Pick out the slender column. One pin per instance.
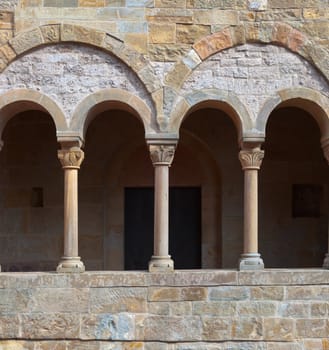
(71, 159)
(251, 159)
(162, 156)
(325, 148)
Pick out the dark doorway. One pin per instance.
(184, 227)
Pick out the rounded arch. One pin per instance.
(20, 100)
(217, 99)
(61, 33)
(277, 33)
(313, 102)
(102, 100)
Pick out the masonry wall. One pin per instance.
(281, 310)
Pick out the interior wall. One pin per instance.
(293, 156)
(31, 195)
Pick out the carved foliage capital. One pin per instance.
(71, 159)
(162, 154)
(251, 159)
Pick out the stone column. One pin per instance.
(71, 158)
(325, 147)
(162, 157)
(251, 158)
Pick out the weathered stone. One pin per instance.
(279, 329)
(50, 33)
(162, 33)
(215, 308)
(190, 33)
(110, 300)
(267, 293)
(215, 328)
(177, 76)
(49, 325)
(260, 308)
(81, 34)
(228, 293)
(167, 52)
(164, 294)
(247, 329)
(26, 41)
(312, 328)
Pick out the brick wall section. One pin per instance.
(282, 309)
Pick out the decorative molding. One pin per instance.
(251, 159)
(162, 154)
(71, 159)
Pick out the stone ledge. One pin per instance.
(94, 279)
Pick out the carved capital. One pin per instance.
(71, 159)
(251, 159)
(162, 154)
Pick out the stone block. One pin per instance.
(216, 328)
(181, 308)
(167, 52)
(164, 294)
(162, 33)
(229, 293)
(259, 308)
(194, 293)
(312, 328)
(26, 41)
(170, 3)
(190, 33)
(50, 33)
(214, 43)
(119, 326)
(9, 326)
(267, 293)
(320, 309)
(172, 328)
(91, 3)
(82, 34)
(110, 300)
(214, 308)
(247, 328)
(294, 309)
(158, 308)
(177, 76)
(280, 329)
(51, 325)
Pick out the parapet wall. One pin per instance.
(185, 310)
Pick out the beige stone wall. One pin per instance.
(185, 310)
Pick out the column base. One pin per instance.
(251, 261)
(326, 262)
(161, 264)
(70, 265)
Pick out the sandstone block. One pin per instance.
(176, 77)
(215, 308)
(194, 293)
(214, 43)
(190, 33)
(162, 33)
(295, 309)
(91, 3)
(173, 328)
(267, 293)
(170, 3)
(159, 308)
(9, 326)
(229, 293)
(259, 308)
(167, 52)
(281, 329)
(312, 328)
(163, 294)
(50, 33)
(86, 35)
(247, 328)
(216, 329)
(181, 308)
(320, 309)
(120, 326)
(26, 41)
(137, 41)
(47, 326)
(105, 300)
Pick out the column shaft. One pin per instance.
(161, 211)
(325, 147)
(71, 159)
(162, 156)
(251, 159)
(71, 213)
(250, 211)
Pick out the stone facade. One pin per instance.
(99, 98)
(184, 310)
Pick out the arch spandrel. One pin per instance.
(107, 99)
(19, 100)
